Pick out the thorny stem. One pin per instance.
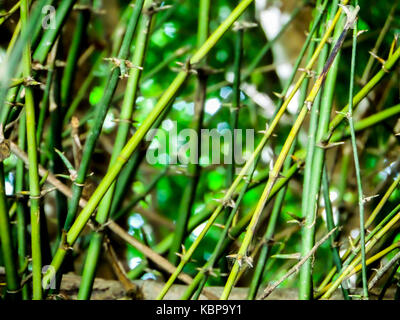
(194, 170)
(133, 143)
(357, 162)
(102, 215)
(250, 161)
(34, 188)
(101, 112)
(274, 173)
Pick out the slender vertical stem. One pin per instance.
(6, 241)
(21, 211)
(34, 188)
(73, 54)
(201, 278)
(134, 142)
(378, 43)
(357, 162)
(50, 35)
(235, 102)
(194, 169)
(387, 66)
(250, 161)
(316, 161)
(309, 199)
(262, 260)
(127, 109)
(274, 173)
(101, 112)
(331, 225)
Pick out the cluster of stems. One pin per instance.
(42, 124)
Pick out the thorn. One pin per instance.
(209, 271)
(310, 73)
(266, 129)
(183, 249)
(351, 14)
(329, 145)
(241, 259)
(249, 261)
(279, 95)
(359, 33)
(241, 25)
(367, 199)
(295, 219)
(64, 244)
(281, 176)
(308, 105)
(226, 203)
(381, 61)
(29, 81)
(154, 8)
(121, 62)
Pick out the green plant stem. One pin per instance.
(242, 254)
(44, 105)
(90, 266)
(381, 37)
(5, 15)
(133, 143)
(331, 225)
(163, 64)
(390, 62)
(367, 122)
(389, 280)
(274, 173)
(262, 259)
(194, 169)
(50, 35)
(6, 242)
(263, 51)
(309, 199)
(250, 161)
(73, 55)
(21, 211)
(132, 204)
(316, 161)
(83, 89)
(13, 58)
(357, 164)
(234, 112)
(101, 112)
(34, 187)
(372, 238)
(201, 278)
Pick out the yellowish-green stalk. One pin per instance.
(34, 188)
